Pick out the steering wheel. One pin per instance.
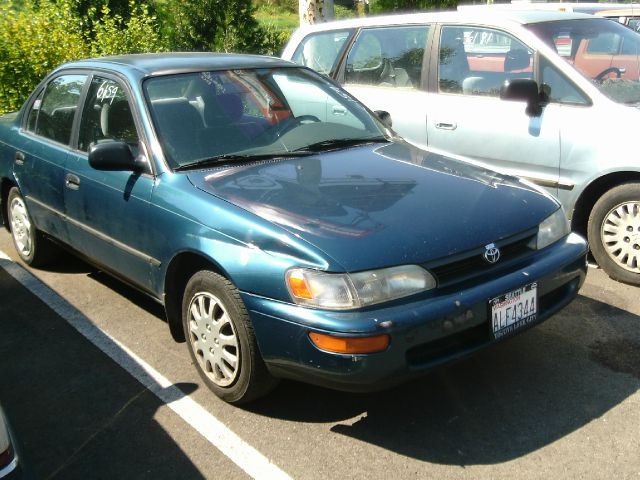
(600, 77)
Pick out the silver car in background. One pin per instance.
(548, 96)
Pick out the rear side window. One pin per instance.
(388, 57)
(320, 51)
(52, 113)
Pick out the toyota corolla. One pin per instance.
(288, 232)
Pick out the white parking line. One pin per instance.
(231, 445)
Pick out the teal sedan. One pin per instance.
(286, 229)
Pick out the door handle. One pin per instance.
(72, 181)
(19, 158)
(336, 110)
(446, 126)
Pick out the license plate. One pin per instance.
(514, 310)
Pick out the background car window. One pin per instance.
(389, 57)
(321, 50)
(52, 113)
(107, 115)
(477, 61)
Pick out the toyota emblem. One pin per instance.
(491, 253)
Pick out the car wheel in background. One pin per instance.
(221, 340)
(32, 246)
(614, 232)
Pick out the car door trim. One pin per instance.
(154, 262)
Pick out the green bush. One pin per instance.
(274, 39)
(32, 42)
(37, 36)
(112, 34)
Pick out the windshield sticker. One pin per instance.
(36, 104)
(107, 91)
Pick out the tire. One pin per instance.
(614, 233)
(32, 246)
(221, 340)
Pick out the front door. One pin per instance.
(466, 116)
(106, 209)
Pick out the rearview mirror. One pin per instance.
(384, 117)
(114, 156)
(523, 89)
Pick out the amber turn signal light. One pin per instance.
(350, 345)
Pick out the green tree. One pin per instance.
(210, 25)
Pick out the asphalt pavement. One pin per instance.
(559, 401)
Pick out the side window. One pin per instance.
(321, 50)
(477, 61)
(389, 57)
(557, 87)
(107, 115)
(606, 43)
(52, 113)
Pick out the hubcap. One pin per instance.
(213, 339)
(20, 226)
(620, 235)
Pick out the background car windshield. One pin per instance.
(202, 115)
(602, 50)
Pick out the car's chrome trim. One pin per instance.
(543, 182)
(154, 262)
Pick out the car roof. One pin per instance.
(474, 16)
(592, 8)
(150, 64)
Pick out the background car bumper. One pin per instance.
(424, 333)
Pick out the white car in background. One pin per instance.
(547, 95)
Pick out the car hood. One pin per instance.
(381, 205)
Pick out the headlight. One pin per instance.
(552, 229)
(342, 291)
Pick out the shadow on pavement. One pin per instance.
(79, 415)
(501, 404)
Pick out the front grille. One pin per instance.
(472, 264)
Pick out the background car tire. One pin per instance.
(32, 246)
(614, 233)
(217, 328)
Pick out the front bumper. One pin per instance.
(435, 328)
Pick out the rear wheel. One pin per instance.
(221, 341)
(614, 232)
(31, 244)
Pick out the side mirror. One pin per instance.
(114, 156)
(523, 89)
(384, 117)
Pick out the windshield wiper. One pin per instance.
(236, 157)
(340, 143)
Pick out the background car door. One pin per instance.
(40, 163)
(105, 208)
(384, 71)
(466, 116)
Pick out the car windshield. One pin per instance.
(225, 116)
(604, 51)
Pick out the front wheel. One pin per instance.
(614, 233)
(32, 246)
(221, 341)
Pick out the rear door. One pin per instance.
(41, 161)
